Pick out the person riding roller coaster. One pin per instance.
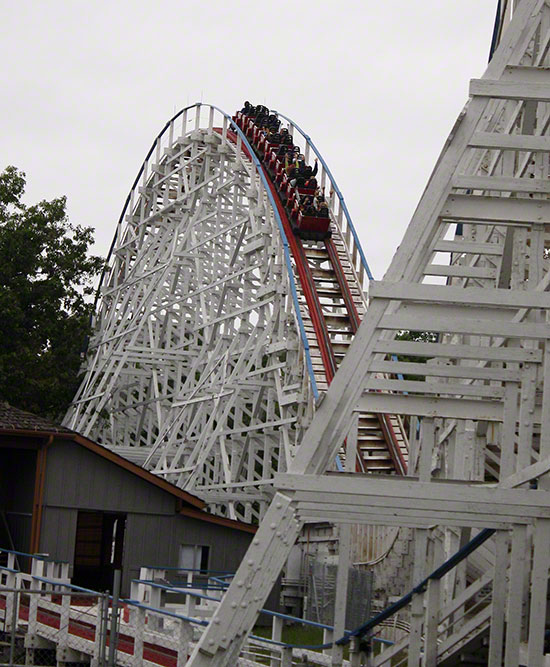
(307, 210)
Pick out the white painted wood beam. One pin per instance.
(514, 142)
(504, 211)
(431, 406)
(511, 90)
(397, 492)
(475, 182)
(511, 354)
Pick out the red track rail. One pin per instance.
(316, 311)
(305, 277)
(353, 315)
(308, 288)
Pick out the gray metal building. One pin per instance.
(65, 495)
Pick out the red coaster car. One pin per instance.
(312, 228)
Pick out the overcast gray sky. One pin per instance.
(376, 84)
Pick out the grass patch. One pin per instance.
(303, 635)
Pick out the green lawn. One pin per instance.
(294, 634)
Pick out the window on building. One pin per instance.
(194, 557)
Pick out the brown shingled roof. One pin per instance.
(13, 419)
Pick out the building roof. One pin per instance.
(19, 423)
(13, 419)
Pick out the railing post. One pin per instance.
(98, 658)
(328, 638)
(64, 618)
(210, 120)
(354, 652)
(113, 639)
(13, 628)
(11, 582)
(184, 123)
(190, 604)
(33, 610)
(139, 631)
(277, 636)
(286, 657)
(185, 636)
(104, 624)
(197, 115)
(171, 134)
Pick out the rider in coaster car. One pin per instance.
(291, 166)
(283, 148)
(319, 197)
(308, 208)
(285, 137)
(247, 109)
(323, 210)
(305, 170)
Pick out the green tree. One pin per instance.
(46, 277)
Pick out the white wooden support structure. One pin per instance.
(472, 269)
(344, 559)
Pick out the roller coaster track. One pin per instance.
(332, 314)
(217, 329)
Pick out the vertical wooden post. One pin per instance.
(139, 632)
(539, 588)
(417, 604)
(277, 635)
(344, 555)
(427, 443)
(499, 599)
(432, 617)
(515, 595)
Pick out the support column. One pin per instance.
(539, 589)
(432, 617)
(344, 556)
(417, 604)
(515, 595)
(427, 442)
(499, 599)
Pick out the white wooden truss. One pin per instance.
(204, 365)
(195, 369)
(472, 269)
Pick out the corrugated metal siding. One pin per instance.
(19, 525)
(77, 477)
(58, 533)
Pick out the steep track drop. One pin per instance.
(332, 317)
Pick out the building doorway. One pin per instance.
(99, 547)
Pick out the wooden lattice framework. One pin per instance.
(473, 269)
